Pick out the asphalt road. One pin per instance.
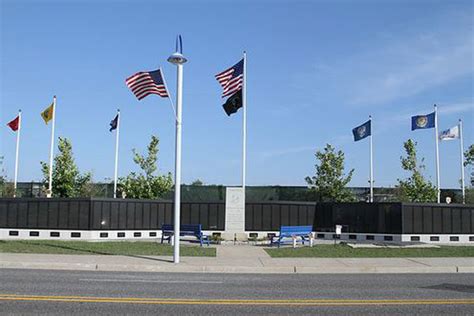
(76, 292)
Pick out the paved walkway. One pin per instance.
(237, 259)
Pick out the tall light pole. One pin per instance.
(178, 59)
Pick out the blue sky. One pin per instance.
(316, 69)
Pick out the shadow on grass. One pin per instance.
(76, 249)
(79, 249)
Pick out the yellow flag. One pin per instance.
(47, 114)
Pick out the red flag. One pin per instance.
(14, 124)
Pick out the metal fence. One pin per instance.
(216, 193)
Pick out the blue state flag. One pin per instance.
(423, 121)
(362, 131)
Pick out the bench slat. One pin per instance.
(184, 230)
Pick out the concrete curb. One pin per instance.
(172, 268)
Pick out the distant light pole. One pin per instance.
(178, 59)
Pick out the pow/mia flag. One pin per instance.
(114, 123)
(233, 103)
(362, 131)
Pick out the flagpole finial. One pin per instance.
(179, 44)
(177, 57)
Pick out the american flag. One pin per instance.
(231, 79)
(144, 83)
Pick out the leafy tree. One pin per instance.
(469, 161)
(197, 182)
(146, 185)
(67, 180)
(416, 188)
(6, 188)
(330, 183)
(2, 175)
(469, 156)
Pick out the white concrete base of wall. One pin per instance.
(57, 234)
(439, 239)
(116, 235)
(344, 236)
(368, 237)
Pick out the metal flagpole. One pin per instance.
(371, 162)
(16, 155)
(438, 189)
(116, 152)
(50, 187)
(244, 128)
(461, 146)
(178, 59)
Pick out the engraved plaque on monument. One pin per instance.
(234, 210)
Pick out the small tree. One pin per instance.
(6, 188)
(469, 161)
(469, 156)
(2, 177)
(146, 185)
(67, 180)
(416, 188)
(330, 182)
(197, 182)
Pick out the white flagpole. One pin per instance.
(461, 143)
(438, 188)
(244, 128)
(371, 162)
(116, 153)
(50, 187)
(16, 155)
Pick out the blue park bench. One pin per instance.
(303, 232)
(184, 230)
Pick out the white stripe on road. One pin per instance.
(151, 281)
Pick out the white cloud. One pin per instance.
(443, 108)
(337, 140)
(422, 67)
(446, 108)
(393, 67)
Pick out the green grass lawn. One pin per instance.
(102, 248)
(344, 251)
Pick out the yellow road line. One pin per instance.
(292, 302)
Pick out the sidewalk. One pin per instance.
(237, 259)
